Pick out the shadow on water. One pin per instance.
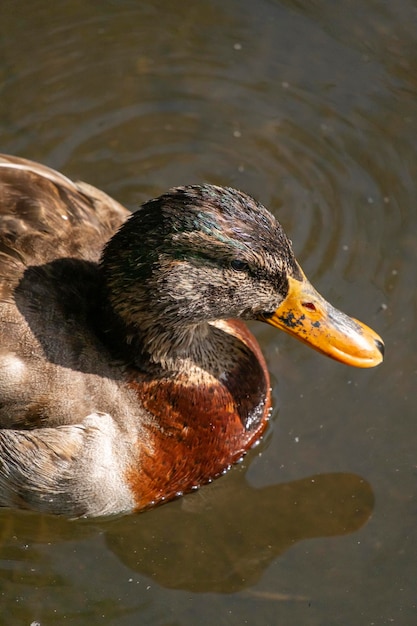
(221, 544)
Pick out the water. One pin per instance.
(310, 107)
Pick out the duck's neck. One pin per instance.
(148, 344)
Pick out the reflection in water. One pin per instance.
(223, 544)
(227, 545)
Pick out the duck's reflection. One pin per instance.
(220, 539)
(225, 542)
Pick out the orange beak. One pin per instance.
(308, 316)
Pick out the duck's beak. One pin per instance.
(308, 316)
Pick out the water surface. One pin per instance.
(311, 107)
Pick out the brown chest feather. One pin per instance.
(199, 430)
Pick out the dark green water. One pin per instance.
(310, 106)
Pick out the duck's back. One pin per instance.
(66, 416)
(44, 215)
(52, 232)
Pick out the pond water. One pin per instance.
(311, 107)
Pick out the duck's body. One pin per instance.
(121, 383)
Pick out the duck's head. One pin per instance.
(203, 253)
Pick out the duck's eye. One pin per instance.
(239, 266)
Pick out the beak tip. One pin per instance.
(381, 347)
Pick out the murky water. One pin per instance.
(310, 106)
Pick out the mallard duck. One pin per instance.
(127, 376)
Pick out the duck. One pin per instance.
(128, 375)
